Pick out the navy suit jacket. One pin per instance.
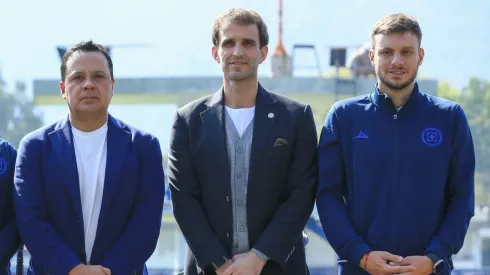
(281, 187)
(9, 235)
(49, 207)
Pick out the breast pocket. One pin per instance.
(281, 145)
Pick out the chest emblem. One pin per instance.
(431, 137)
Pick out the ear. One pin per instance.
(263, 53)
(113, 82)
(371, 56)
(214, 52)
(62, 89)
(421, 55)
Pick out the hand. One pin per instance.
(245, 264)
(106, 270)
(82, 269)
(377, 262)
(422, 263)
(221, 269)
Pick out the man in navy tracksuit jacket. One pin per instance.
(9, 236)
(396, 167)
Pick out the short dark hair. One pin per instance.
(85, 46)
(241, 17)
(396, 23)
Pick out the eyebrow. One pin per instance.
(389, 48)
(244, 40)
(82, 72)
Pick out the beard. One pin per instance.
(396, 86)
(245, 72)
(239, 75)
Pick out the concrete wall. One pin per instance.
(211, 84)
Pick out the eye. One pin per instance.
(228, 44)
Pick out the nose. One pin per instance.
(397, 59)
(238, 50)
(88, 84)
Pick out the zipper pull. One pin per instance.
(395, 116)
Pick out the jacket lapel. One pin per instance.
(214, 128)
(63, 148)
(118, 140)
(264, 123)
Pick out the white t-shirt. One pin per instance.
(91, 154)
(241, 117)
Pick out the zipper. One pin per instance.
(395, 161)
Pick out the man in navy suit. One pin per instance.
(243, 166)
(89, 187)
(9, 235)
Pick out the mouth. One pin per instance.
(238, 63)
(89, 98)
(397, 73)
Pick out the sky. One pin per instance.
(173, 38)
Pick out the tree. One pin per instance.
(475, 100)
(17, 116)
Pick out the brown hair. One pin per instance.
(396, 23)
(241, 17)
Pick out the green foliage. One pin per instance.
(475, 100)
(17, 116)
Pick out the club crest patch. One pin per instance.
(431, 137)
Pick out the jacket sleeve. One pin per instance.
(460, 191)
(37, 233)
(139, 239)
(185, 192)
(332, 210)
(9, 234)
(280, 236)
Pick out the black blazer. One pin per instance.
(9, 232)
(281, 187)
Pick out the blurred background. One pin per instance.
(161, 51)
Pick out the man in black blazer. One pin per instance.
(242, 164)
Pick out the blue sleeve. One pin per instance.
(460, 191)
(139, 239)
(9, 234)
(37, 233)
(332, 210)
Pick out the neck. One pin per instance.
(240, 94)
(398, 97)
(87, 123)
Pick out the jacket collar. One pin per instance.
(384, 101)
(263, 97)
